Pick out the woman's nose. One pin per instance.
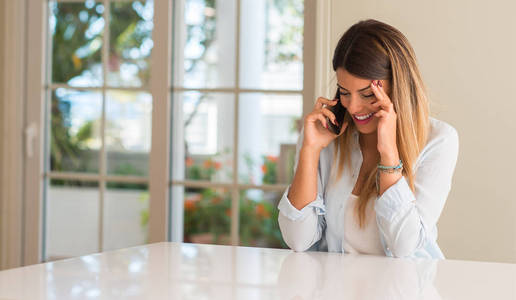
(355, 105)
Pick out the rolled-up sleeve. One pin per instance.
(294, 214)
(404, 218)
(301, 228)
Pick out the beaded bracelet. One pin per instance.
(389, 169)
(386, 169)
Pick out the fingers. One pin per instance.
(384, 102)
(381, 113)
(377, 90)
(324, 112)
(322, 101)
(317, 115)
(323, 120)
(383, 105)
(328, 113)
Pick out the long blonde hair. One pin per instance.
(371, 49)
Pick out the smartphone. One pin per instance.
(339, 111)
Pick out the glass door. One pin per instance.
(98, 113)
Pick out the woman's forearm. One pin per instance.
(303, 189)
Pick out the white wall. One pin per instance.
(467, 54)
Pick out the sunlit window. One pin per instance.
(255, 102)
(236, 99)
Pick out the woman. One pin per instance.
(379, 186)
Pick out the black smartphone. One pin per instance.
(339, 111)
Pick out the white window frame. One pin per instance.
(160, 87)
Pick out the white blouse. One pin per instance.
(406, 220)
(358, 240)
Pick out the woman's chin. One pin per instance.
(366, 129)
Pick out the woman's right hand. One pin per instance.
(316, 132)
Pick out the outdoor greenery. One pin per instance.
(77, 30)
(77, 38)
(208, 210)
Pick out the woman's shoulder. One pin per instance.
(443, 139)
(441, 130)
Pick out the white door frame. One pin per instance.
(36, 119)
(316, 61)
(35, 116)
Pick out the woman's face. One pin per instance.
(357, 96)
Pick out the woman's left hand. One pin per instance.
(387, 146)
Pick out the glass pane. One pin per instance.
(206, 150)
(75, 130)
(128, 132)
(130, 26)
(269, 127)
(126, 215)
(72, 212)
(76, 30)
(271, 44)
(207, 216)
(205, 43)
(259, 219)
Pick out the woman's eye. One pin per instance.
(365, 96)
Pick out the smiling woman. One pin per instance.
(379, 186)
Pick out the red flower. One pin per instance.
(189, 205)
(189, 162)
(264, 169)
(216, 200)
(217, 165)
(262, 211)
(207, 163)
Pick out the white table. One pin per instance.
(192, 271)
